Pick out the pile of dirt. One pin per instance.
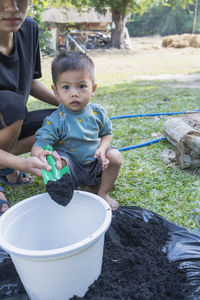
(134, 265)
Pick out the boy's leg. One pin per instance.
(109, 175)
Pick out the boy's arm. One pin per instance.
(100, 153)
(105, 142)
(41, 92)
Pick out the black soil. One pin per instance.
(134, 265)
(61, 190)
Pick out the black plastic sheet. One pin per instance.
(182, 247)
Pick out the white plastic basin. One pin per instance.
(56, 250)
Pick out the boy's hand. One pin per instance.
(43, 157)
(57, 158)
(100, 154)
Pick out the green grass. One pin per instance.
(144, 179)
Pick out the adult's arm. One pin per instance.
(41, 92)
(31, 164)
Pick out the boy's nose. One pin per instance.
(74, 92)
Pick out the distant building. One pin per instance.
(60, 21)
(88, 19)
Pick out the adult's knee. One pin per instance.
(9, 135)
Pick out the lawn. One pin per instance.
(144, 180)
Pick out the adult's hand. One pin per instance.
(42, 154)
(34, 164)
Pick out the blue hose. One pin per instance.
(153, 114)
(148, 115)
(142, 145)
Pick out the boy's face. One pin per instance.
(74, 89)
(12, 14)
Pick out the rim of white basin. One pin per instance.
(57, 252)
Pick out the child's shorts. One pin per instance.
(87, 174)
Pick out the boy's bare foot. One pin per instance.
(114, 204)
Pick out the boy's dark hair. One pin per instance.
(70, 61)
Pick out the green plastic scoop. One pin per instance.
(54, 174)
(59, 183)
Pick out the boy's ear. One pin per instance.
(94, 88)
(54, 89)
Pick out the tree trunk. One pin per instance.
(184, 134)
(175, 129)
(118, 32)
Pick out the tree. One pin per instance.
(120, 10)
(163, 20)
(195, 16)
(35, 10)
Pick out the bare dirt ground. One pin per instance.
(148, 60)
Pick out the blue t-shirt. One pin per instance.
(76, 133)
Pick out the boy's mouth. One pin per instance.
(75, 103)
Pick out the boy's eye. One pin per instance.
(82, 86)
(65, 87)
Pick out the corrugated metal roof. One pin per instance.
(59, 15)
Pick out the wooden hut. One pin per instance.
(61, 21)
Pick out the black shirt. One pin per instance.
(17, 72)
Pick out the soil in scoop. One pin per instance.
(61, 190)
(134, 265)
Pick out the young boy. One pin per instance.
(78, 130)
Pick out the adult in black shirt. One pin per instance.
(19, 73)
